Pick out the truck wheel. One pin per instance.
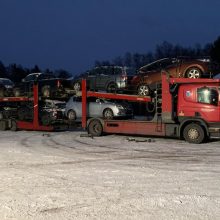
(46, 91)
(3, 125)
(194, 133)
(143, 90)
(95, 128)
(71, 115)
(108, 113)
(13, 125)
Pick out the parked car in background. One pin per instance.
(97, 108)
(6, 87)
(147, 77)
(106, 78)
(48, 84)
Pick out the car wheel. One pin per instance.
(111, 88)
(71, 115)
(17, 92)
(95, 128)
(45, 119)
(2, 92)
(108, 113)
(77, 86)
(193, 73)
(194, 133)
(46, 91)
(143, 90)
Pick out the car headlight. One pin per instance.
(120, 106)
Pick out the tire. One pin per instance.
(143, 90)
(13, 125)
(108, 113)
(95, 128)
(2, 92)
(77, 86)
(111, 88)
(193, 73)
(46, 92)
(45, 120)
(2, 115)
(17, 92)
(3, 125)
(71, 115)
(194, 133)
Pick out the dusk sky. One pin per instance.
(72, 34)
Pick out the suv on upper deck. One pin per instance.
(107, 78)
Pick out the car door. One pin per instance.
(91, 79)
(95, 107)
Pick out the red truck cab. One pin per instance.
(200, 100)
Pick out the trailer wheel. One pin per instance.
(95, 128)
(3, 125)
(2, 92)
(13, 125)
(194, 133)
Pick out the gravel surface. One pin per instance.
(61, 175)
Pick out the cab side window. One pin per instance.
(207, 95)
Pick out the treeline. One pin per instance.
(166, 49)
(16, 72)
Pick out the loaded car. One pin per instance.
(49, 85)
(144, 82)
(97, 108)
(6, 87)
(106, 78)
(50, 111)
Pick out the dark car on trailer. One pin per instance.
(6, 87)
(105, 78)
(48, 85)
(50, 111)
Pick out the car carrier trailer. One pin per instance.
(184, 108)
(14, 124)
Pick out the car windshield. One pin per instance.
(158, 64)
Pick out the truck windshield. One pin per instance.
(207, 95)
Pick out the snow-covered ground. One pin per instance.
(61, 175)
